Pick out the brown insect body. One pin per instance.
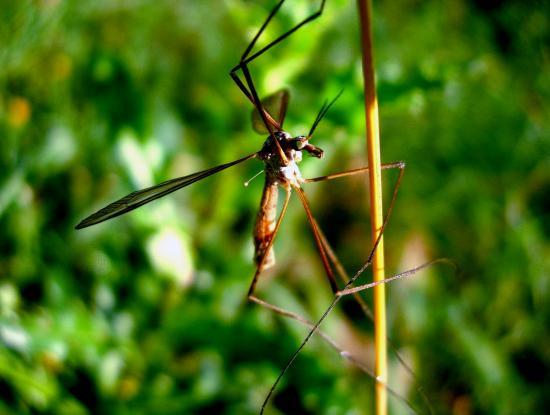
(278, 173)
(265, 225)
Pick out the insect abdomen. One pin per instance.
(265, 226)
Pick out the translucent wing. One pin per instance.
(275, 105)
(141, 197)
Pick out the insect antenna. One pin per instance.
(322, 112)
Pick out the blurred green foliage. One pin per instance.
(147, 314)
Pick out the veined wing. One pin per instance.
(275, 105)
(141, 197)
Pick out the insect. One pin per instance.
(280, 153)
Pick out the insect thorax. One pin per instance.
(275, 168)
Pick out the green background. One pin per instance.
(147, 314)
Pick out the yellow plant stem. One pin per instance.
(376, 209)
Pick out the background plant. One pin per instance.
(100, 98)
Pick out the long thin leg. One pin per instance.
(320, 247)
(345, 278)
(259, 270)
(315, 227)
(297, 317)
(395, 165)
(260, 109)
(341, 270)
(316, 326)
(408, 273)
(313, 16)
(347, 289)
(285, 313)
(246, 59)
(368, 312)
(344, 353)
(245, 54)
(337, 297)
(249, 89)
(385, 166)
(325, 249)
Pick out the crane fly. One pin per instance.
(281, 152)
(279, 172)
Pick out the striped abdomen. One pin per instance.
(265, 226)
